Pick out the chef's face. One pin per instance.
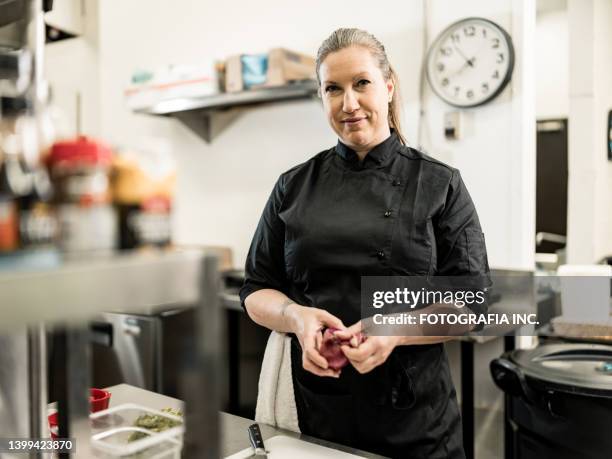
(356, 97)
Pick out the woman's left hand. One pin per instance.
(368, 354)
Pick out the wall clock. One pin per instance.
(470, 62)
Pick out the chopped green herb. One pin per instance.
(155, 423)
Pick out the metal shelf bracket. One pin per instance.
(208, 125)
(208, 116)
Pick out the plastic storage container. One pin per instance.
(98, 401)
(114, 428)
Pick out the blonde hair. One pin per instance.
(344, 38)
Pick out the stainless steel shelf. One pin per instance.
(297, 90)
(208, 116)
(78, 290)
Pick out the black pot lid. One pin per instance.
(586, 366)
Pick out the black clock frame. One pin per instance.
(507, 76)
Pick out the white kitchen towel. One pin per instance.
(275, 397)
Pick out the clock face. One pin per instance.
(470, 62)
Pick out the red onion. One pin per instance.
(330, 348)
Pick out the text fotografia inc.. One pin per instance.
(455, 319)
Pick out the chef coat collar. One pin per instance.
(378, 155)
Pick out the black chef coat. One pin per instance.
(330, 221)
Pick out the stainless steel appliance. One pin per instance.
(126, 349)
(142, 350)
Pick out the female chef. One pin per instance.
(369, 206)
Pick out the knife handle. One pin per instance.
(255, 437)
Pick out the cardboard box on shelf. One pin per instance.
(149, 87)
(285, 66)
(233, 74)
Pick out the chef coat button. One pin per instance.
(397, 182)
(388, 214)
(381, 255)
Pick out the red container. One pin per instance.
(53, 429)
(98, 401)
(80, 171)
(81, 151)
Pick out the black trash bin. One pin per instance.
(558, 401)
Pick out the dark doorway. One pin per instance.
(551, 185)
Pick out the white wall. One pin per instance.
(552, 64)
(71, 69)
(590, 176)
(73, 85)
(223, 185)
(497, 155)
(603, 103)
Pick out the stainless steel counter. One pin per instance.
(234, 436)
(77, 290)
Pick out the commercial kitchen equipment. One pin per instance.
(558, 401)
(143, 349)
(63, 300)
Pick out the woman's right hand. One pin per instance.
(308, 324)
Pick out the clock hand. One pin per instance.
(473, 59)
(460, 69)
(467, 61)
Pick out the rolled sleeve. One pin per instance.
(264, 267)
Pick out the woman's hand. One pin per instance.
(367, 355)
(307, 324)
